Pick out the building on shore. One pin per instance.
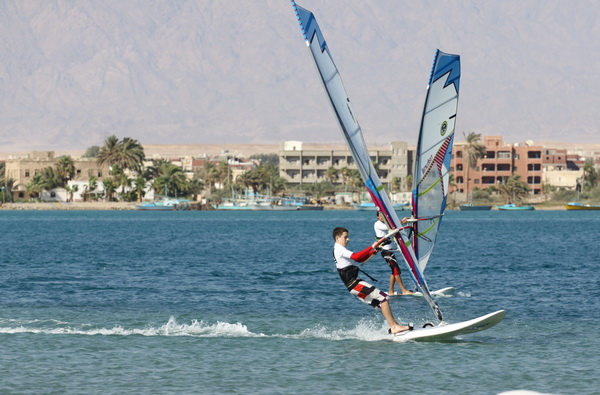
(22, 170)
(537, 165)
(301, 167)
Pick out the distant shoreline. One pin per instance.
(57, 206)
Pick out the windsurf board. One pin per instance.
(447, 331)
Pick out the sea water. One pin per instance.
(199, 302)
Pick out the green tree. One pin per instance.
(128, 154)
(65, 169)
(109, 188)
(71, 189)
(36, 186)
(209, 175)
(514, 189)
(90, 187)
(139, 187)
(171, 179)
(474, 150)
(266, 159)
(332, 174)
(91, 152)
(590, 176)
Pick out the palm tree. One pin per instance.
(36, 186)
(210, 175)
(332, 174)
(355, 179)
(109, 188)
(474, 150)
(139, 187)
(224, 174)
(345, 173)
(170, 179)
(514, 190)
(89, 188)
(65, 169)
(131, 155)
(590, 177)
(8, 185)
(127, 154)
(109, 152)
(70, 191)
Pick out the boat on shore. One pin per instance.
(581, 206)
(164, 204)
(311, 207)
(474, 207)
(514, 207)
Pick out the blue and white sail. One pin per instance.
(434, 151)
(353, 135)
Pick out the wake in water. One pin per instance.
(171, 328)
(365, 330)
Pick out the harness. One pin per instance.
(349, 275)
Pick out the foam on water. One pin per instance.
(171, 328)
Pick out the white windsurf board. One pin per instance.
(447, 331)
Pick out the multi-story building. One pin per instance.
(22, 170)
(299, 166)
(500, 162)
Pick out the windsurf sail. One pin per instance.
(434, 150)
(353, 135)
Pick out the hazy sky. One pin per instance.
(224, 71)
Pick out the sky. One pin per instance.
(225, 71)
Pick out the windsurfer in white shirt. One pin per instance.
(381, 230)
(365, 292)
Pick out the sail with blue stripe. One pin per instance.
(434, 151)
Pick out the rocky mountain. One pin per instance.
(224, 71)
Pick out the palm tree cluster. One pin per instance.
(6, 185)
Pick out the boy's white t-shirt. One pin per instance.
(380, 231)
(342, 256)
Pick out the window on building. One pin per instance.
(459, 180)
(491, 154)
(459, 167)
(503, 154)
(99, 174)
(459, 154)
(503, 167)
(26, 173)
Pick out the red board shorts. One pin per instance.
(368, 293)
(390, 258)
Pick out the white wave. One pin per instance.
(171, 328)
(365, 330)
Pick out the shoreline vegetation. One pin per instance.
(56, 206)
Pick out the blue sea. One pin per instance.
(204, 302)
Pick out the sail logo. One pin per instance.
(443, 128)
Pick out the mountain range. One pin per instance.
(214, 72)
